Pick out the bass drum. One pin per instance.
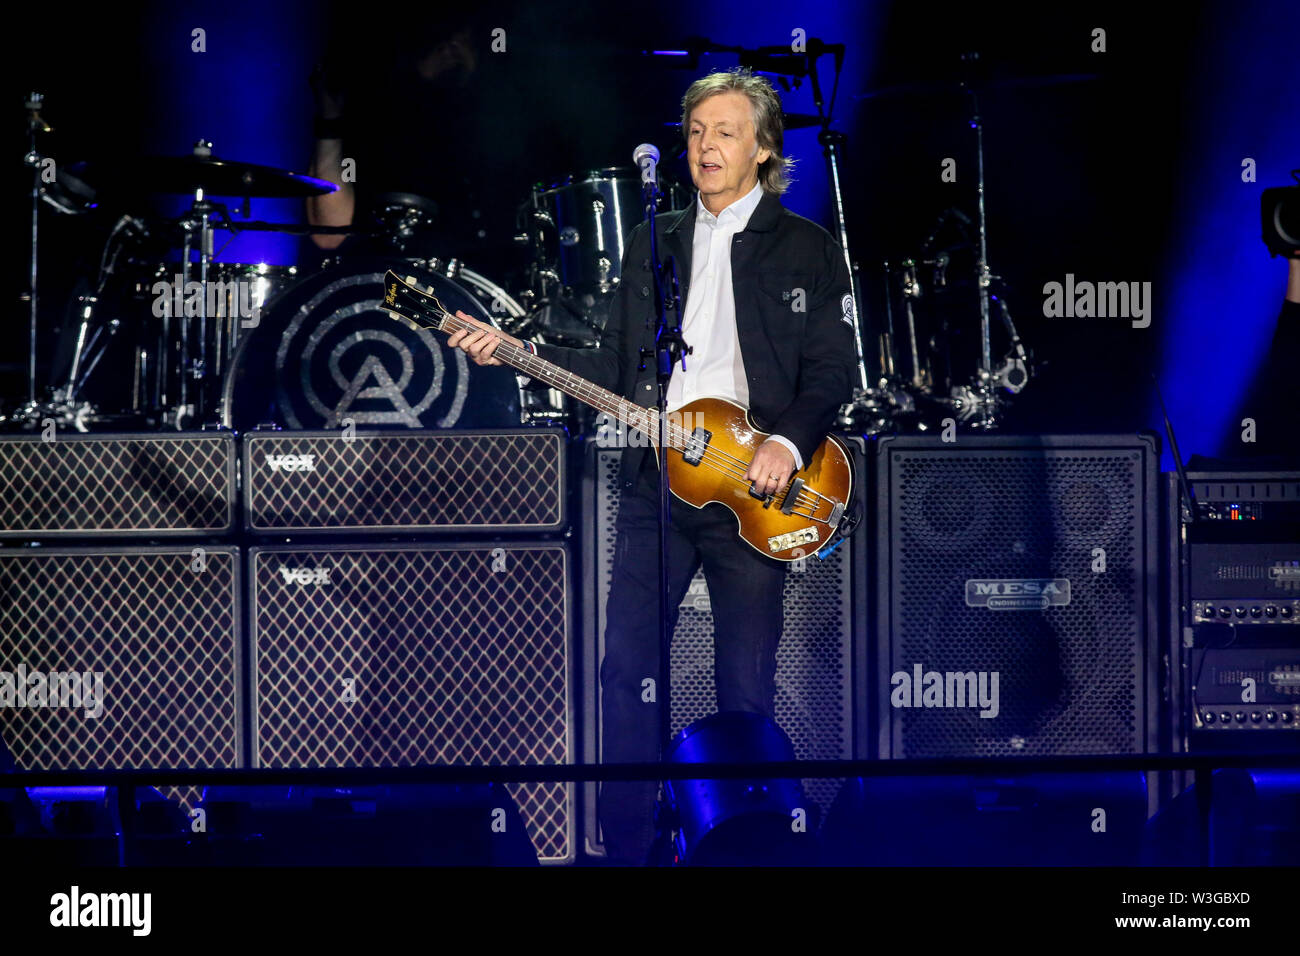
(327, 352)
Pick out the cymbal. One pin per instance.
(215, 176)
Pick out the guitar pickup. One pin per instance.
(693, 453)
(791, 496)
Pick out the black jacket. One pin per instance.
(800, 363)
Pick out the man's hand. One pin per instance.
(771, 469)
(481, 341)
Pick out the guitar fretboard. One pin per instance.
(628, 413)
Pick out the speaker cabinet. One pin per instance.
(1017, 595)
(95, 486)
(825, 617)
(405, 655)
(450, 482)
(135, 652)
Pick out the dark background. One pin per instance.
(1115, 166)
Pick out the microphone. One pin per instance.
(646, 158)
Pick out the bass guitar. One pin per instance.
(711, 442)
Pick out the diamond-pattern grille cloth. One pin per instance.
(444, 481)
(457, 656)
(1069, 676)
(115, 485)
(162, 633)
(813, 664)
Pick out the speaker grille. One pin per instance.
(451, 481)
(1071, 675)
(814, 669)
(159, 624)
(455, 655)
(116, 485)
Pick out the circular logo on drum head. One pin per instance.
(349, 359)
(327, 352)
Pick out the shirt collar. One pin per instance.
(738, 211)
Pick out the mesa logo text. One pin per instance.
(1017, 594)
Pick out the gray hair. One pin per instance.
(769, 129)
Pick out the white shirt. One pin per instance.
(715, 368)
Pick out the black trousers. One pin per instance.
(745, 594)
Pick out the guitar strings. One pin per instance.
(725, 463)
(720, 461)
(730, 466)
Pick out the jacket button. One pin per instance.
(645, 292)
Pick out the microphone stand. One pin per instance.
(670, 349)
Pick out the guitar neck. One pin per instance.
(575, 386)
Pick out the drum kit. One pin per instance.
(169, 335)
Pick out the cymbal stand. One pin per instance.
(981, 400)
(832, 142)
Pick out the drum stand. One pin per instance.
(33, 412)
(865, 398)
(191, 399)
(981, 403)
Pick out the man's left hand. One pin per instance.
(771, 469)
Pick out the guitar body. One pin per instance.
(762, 525)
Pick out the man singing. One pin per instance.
(768, 312)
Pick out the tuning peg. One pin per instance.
(411, 280)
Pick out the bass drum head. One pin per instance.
(326, 352)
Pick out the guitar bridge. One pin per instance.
(693, 453)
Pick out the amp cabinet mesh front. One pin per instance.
(406, 655)
(449, 482)
(97, 486)
(160, 624)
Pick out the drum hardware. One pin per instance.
(576, 230)
(31, 412)
(779, 60)
(402, 217)
(921, 377)
(180, 384)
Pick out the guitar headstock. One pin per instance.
(407, 302)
